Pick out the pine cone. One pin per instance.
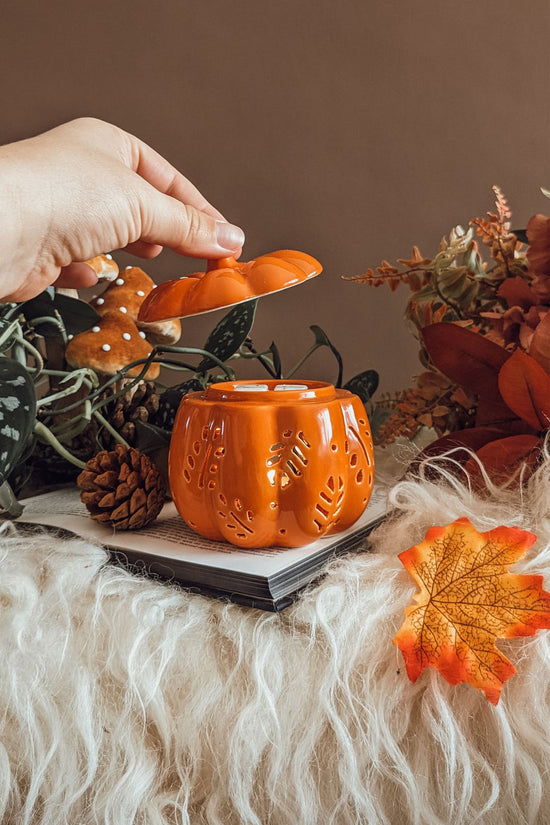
(122, 488)
(141, 404)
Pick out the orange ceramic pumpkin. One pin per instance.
(261, 464)
(226, 282)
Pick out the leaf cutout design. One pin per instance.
(467, 599)
(525, 387)
(17, 413)
(289, 458)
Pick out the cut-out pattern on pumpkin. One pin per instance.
(271, 468)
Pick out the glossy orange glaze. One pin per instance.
(262, 467)
(226, 282)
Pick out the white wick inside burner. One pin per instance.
(250, 387)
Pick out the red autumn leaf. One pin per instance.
(539, 346)
(462, 443)
(470, 440)
(525, 387)
(467, 599)
(465, 357)
(538, 235)
(503, 458)
(517, 292)
(493, 412)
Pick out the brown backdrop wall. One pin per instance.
(350, 130)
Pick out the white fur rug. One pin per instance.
(128, 701)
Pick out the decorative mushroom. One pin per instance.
(226, 282)
(104, 267)
(126, 294)
(109, 346)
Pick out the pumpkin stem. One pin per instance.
(221, 263)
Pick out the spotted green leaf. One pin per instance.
(228, 335)
(364, 385)
(17, 413)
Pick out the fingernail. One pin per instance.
(228, 236)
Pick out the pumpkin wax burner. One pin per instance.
(270, 463)
(227, 282)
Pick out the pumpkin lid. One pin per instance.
(227, 282)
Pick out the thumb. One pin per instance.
(187, 230)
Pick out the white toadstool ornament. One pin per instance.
(110, 345)
(104, 267)
(126, 294)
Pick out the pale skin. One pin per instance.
(88, 187)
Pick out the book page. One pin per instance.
(170, 538)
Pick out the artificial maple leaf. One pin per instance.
(468, 599)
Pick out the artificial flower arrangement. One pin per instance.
(484, 334)
(82, 396)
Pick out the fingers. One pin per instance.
(143, 249)
(76, 276)
(157, 171)
(186, 229)
(179, 217)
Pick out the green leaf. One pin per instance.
(322, 339)
(17, 413)
(8, 501)
(42, 306)
(364, 384)
(169, 402)
(77, 315)
(521, 234)
(150, 438)
(277, 366)
(228, 335)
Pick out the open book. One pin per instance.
(267, 578)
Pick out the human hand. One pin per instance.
(88, 187)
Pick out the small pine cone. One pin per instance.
(122, 488)
(139, 404)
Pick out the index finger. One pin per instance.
(157, 171)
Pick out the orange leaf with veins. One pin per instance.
(468, 599)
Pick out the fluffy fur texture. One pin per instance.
(129, 701)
